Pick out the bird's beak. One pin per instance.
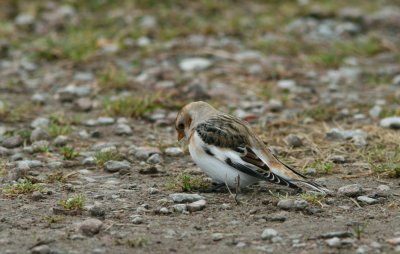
(180, 135)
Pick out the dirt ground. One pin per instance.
(89, 91)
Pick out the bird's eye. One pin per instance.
(181, 126)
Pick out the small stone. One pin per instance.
(185, 197)
(217, 237)
(37, 195)
(39, 134)
(91, 226)
(89, 161)
(4, 151)
(71, 92)
(24, 19)
(83, 104)
(275, 105)
(311, 171)
(396, 80)
(61, 140)
(150, 170)
(300, 204)
(154, 190)
(148, 22)
(196, 206)
(390, 122)
(194, 64)
(114, 166)
(39, 98)
(363, 249)
(105, 120)
(367, 200)
(154, 159)
(174, 151)
(293, 141)
(123, 129)
(375, 111)
(340, 234)
(180, 208)
(287, 84)
(40, 122)
(383, 191)
(281, 217)
(12, 142)
(16, 156)
(334, 242)
(286, 204)
(339, 159)
(269, 233)
(41, 249)
(164, 210)
(97, 211)
(137, 219)
(143, 153)
(351, 190)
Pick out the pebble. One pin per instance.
(89, 161)
(164, 210)
(300, 204)
(16, 156)
(61, 140)
(123, 129)
(383, 191)
(367, 200)
(28, 164)
(105, 120)
(194, 64)
(375, 111)
(287, 84)
(97, 210)
(39, 98)
(137, 219)
(37, 195)
(293, 141)
(362, 249)
(351, 190)
(174, 151)
(334, 242)
(217, 236)
(340, 234)
(40, 122)
(286, 204)
(41, 249)
(83, 104)
(71, 92)
(154, 159)
(114, 166)
(24, 19)
(180, 208)
(396, 80)
(390, 122)
(91, 226)
(196, 206)
(4, 151)
(275, 105)
(39, 134)
(339, 159)
(311, 171)
(143, 153)
(339, 134)
(154, 190)
(269, 233)
(185, 197)
(394, 241)
(150, 170)
(12, 142)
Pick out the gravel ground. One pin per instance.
(89, 91)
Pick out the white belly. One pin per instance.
(218, 170)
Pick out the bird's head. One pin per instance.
(191, 115)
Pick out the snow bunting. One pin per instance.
(228, 151)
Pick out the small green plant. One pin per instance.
(103, 157)
(25, 135)
(22, 187)
(56, 129)
(69, 153)
(382, 162)
(279, 195)
(322, 167)
(186, 182)
(313, 198)
(52, 219)
(131, 106)
(320, 113)
(358, 229)
(76, 202)
(113, 78)
(133, 242)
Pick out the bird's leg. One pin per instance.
(213, 189)
(237, 190)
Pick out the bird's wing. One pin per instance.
(231, 140)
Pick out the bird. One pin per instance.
(230, 153)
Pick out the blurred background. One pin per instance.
(264, 61)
